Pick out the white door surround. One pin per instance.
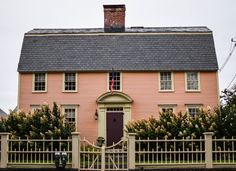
(114, 100)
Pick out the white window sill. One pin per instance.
(70, 91)
(39, 91)
(192, 91)
(166, 91)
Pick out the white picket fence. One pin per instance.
(129, 153)
(38, 151)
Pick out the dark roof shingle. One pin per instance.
(60, 50)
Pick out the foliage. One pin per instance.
(227, 112)
(229, 96)
(42, 123)
(174, 126)
(227, 121)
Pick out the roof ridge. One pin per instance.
(135, 29)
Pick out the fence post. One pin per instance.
(4, 149)
(131, 150)
(103, 159)
(75, 150)
(208, 149)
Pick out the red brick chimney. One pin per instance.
(114, 18)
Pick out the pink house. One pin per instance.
(153, 69)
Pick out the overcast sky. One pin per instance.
(19, 16)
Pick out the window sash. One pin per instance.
(70, 82)
(39, 82)
(70, 115)
(167, 107)
(117, 81)
(193, 110)
(192, 81)
(166, 81)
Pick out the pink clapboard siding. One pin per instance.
(141, 87)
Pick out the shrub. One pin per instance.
(42, 123)
(174, 126)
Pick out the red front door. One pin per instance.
(114, 127)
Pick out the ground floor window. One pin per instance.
(70, 114)
(34, 107)
(193, 109)
(167, 108)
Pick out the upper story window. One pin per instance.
(166, 81)
(70, 82)
(115, 81)
(40, 82)
(192, 81)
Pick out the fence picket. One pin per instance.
(148, 152)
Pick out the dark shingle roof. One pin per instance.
(138, 49)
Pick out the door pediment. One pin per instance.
(114, 98)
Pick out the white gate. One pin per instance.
(103, 158)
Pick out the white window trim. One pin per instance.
(199, 106)
(76, 83)
(121, 80)
(34, 107)
(46, 84)
(161, 106)
(63, 107)
(172, 82)
(199, 83)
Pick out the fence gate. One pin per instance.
(103, 158)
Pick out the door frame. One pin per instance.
(114, 100)
(102, 117)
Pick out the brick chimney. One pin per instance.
(114, 18)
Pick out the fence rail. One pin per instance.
(166, 151)
(129, 153)
(37, 151)
(224, 151)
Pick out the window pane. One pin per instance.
(192, 81)
(193, 110)
(70, 115)
(39, 82)
(70, 81)
(165, 81)
(116, 80)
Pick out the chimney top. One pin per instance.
(114, 18)
(114, 6)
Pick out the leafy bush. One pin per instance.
(227, 121)
(42, 123)
(174, 126)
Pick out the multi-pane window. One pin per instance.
(34, 108)
(39, 82)
(166, 81)
(167, 108)
(192, 80)
(193, 110)
(117, 80)
(115, 109)
(70, 115)
(70, 82)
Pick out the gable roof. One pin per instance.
(136, 49)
